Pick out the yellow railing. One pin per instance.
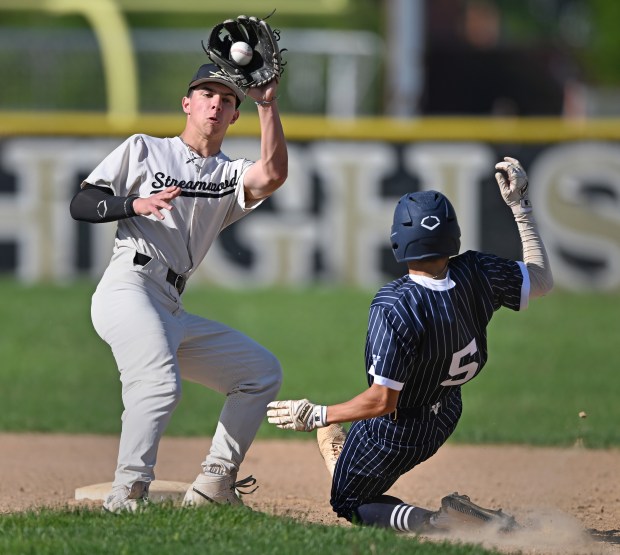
(297, 127)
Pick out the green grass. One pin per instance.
(545, 366)
(58, 375)
(215, 529)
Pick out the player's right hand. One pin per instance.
(266, 93)
(300, 415)
(157, 202)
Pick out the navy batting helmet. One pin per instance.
(425, 226)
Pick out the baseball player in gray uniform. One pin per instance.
(171, 198)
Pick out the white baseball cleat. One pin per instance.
(216, 487)
(127, 499)
(331, 440)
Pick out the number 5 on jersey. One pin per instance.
(456, 369)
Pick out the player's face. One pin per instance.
(211, 107)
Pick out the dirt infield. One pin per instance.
(569, 499)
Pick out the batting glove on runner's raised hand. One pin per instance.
(512, 181)
(301, 415)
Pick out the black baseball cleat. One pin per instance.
(459, 511)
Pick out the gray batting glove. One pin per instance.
(512, 181)
(301, 415)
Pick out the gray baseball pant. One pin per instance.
(156, 343)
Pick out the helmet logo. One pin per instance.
(430, 222)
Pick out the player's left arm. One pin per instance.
(513, 184)
(268, 173)
(304, 416)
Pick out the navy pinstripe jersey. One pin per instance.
(426, 337)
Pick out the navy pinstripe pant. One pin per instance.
(379, 450)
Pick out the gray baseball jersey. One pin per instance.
(212, 197)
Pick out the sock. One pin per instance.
(391, 512)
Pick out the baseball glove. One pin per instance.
(459, 511)
(266, 63)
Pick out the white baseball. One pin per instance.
(241, 53)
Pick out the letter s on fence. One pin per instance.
(575, 192)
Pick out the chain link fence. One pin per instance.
(335, 73)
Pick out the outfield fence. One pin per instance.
(330, 222)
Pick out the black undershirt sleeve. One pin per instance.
(98, 204)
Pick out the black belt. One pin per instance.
(414, 412)
(178, 281)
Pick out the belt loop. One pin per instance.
(179, 283)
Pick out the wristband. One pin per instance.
(265, 102)
(128, 206)
(524, 206)
(319, 416)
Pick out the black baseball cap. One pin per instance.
(210, 73)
